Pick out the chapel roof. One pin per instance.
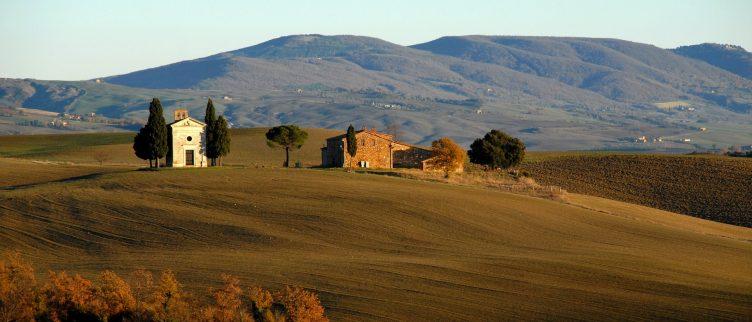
(188, 118)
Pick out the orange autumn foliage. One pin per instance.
(114, 295)
(446, 156)
(69, 298)
(18, 289)
(301, 305)
(228, 305)
(65, 297)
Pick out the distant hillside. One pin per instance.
(618, 70)
(729, 57)
(555, 93)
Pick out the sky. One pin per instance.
(76, 40)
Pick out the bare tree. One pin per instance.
(394, 129)
(101, 157)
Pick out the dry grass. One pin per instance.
(377, 247)
(473, 176)
(373, 247)
(671, 104)
(248, 147)
(715, 188)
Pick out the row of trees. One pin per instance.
(153, 139)
(142, 297)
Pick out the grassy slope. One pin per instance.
(715, 188)
(248, 148)
(386, 248)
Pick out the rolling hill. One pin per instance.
(248, 148)
(702, 186)
(729, 57)
(448, 252)
(555, 93)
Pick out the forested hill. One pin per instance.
(729, 57)
(554, 92)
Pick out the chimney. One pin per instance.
(181, 114)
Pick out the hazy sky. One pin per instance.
(71, 40)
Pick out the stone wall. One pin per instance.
(406, 156)
(375, 150)
(332, 153)
(372, 148)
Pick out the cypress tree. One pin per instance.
(140, 145)
(156, 132)
(222, 137)
(211, 143)
(352, 143)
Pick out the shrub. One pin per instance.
(497, 150)
(168, 301)
(228, 305)
(74, 298)
(101, 157)
(301, 305)
(18, 289)
(114, 295)
(446, 156)
(69, 298)
(263, 306)
(260, 298)
(142, 286)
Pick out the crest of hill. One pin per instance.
(588, 71)
(620, 70)
(313, 46)
(729, 57)
(597, 91)
(276, 63)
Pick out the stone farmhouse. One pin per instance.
(187, 141)
(375, 150)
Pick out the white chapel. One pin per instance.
(187, 146)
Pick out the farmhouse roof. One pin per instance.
(381, 135)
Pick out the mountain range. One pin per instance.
(554, 92)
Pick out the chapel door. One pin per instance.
(188, 157)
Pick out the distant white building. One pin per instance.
(187, 146)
